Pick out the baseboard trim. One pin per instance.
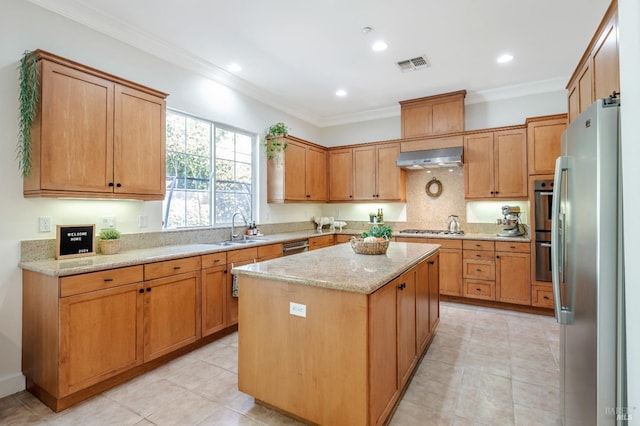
(12, 384)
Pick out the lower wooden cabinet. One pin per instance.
(214, 291)
(321, 242)
(542, 296)
(513, 273)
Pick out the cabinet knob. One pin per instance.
(477, 255)
(477, 289)
(545, 297)
(119, 185)
(373, 195)
(492, 192)
(216, 261)
(478, 270)
(110, 183)
(497, 192)
(108, 280)
(350, 196)
(175, 268)
(148, 289)
(497, 257)
(431, 262)
(141, 291)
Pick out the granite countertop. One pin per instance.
(339, 267)
(100, 262)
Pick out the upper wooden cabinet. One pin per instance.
(300, 174)
(597, 74)
(496, 164)
(95, 135)
(375, 174)
(433, 115)
(544, 137)
(341, 175)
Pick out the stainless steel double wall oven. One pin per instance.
(543, 203)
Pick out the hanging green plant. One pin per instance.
(29, 88)
(273, 146)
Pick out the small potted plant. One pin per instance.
(274, 142)
(109, 240)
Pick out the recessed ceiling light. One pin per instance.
(235, 67)
(503, 59)
(341, 93)
(379, 46)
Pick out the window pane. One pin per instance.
(192, 182)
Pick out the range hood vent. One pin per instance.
(431, 158)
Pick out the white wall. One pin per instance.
(629, 16)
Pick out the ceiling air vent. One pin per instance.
(414, 64)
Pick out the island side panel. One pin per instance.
(313, 367)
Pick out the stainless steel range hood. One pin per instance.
(431, 158)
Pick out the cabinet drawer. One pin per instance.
(214, 259)
(479, 269)
(172, 267)
(412, 240)
(446, 243)
(478, 255)
(92, 281)
(542, 296)
(513, 247)
(320, 242)
(479, 289)
(270, 251)
(477, 245)
(242, 255)
(343, 238)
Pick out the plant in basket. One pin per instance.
(373, 241)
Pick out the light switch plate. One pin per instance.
(298, 309)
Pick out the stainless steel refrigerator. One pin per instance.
(587, 285)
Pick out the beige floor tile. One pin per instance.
(97, 411)
(526, 416)
(224, 416)
(408, 413)
(185, 407)
(545, 398)
(440, 372)
(492, 411)
(145, 398)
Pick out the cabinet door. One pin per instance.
(423, 329)
(76, 145)
(364, 173)
(513, 275)
(316, 174)
(171, 313)
(450, 276)
(510, 163)
(100, 336)
(434, 292)
(544, 143)
(606, 73)
(406, 325)
(478, 165)
(585, 87)
(417, 120)
(573, 102)
(232, 302)
(295, 172)
(389, 177)
(340, 175)
(214, 287)
(383, 370)
(139, 147)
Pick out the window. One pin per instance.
(209, 172)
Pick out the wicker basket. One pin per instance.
(109, 246)
(359, 246)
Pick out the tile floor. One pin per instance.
(484, 367)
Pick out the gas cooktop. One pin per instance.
(430, 231)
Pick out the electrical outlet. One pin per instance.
(143, 221)
(298, 309)
(109, 222)
(44, 224)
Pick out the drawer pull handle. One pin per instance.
(545, 297)
(141, 291)
(216, 261)
(108, 280)
(477, 289)
(431, 262)
(477, 255)
(176, 268)
(478, 270)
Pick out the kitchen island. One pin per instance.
(333, 337)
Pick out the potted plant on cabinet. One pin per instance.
(109, 240)
(274, 140)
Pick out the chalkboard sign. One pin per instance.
(75, 241)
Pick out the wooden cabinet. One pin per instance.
(597, 75)
(427, 301)
(542, 296)
(172, 305)
(406, 335)
(496, 164)
(513, 273)
(101, 329)
(479, 269)
(341, 174)
(95, 135)
(321, 242)
(343, 238)
(450, 266)
(433, 115)
(375, 174)
(299, 174)
(236, 258)
(544, 137)
(214, 291)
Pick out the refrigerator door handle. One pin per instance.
(563, 314)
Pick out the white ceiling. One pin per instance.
(296, 53)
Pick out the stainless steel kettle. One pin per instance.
(454, 226)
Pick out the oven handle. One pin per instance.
(546, 193)
(545, 244)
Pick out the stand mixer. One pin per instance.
(510, 223)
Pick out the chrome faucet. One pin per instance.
(233, 225)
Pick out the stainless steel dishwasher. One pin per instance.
(295, 247)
